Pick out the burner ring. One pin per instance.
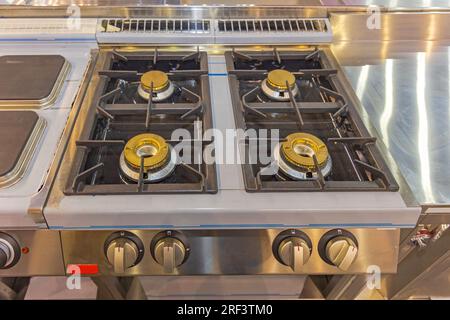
(150, 176)
(303, 146)
(152, 147)
(299, 148)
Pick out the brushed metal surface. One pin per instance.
(404, 89)
(235, 252)
(167, 11)
(44, 257)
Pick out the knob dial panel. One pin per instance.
(292, 248)
(339, 248)
(170, 249)
(123, 250)
(9, 251)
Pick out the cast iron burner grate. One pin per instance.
(321, 108)
(120, 113)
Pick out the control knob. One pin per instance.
(123, 250)
(9, 251)
(292, 248)
(170, 249)
(338, 247)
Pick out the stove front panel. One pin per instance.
(36, 253)
(232, 252)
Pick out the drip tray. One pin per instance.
(19, 134)
(31, 81)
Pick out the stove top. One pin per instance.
(321, 143)
(31, 81)
(26, 127)
(129, 141)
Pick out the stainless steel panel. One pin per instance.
(391, 3)
(134, 9)
(235, 252)
(405, 91)
(112, 3)
(424, 273)
(44, 256)
(352, 27)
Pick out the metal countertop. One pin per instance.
(404, 86)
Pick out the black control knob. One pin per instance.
(292, 248)
(338, 247)
(170, 249)
(9, 251)
(123, 250)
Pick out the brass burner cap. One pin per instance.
(277, 79)
(159, 79)
(300, 147)
(152, 147)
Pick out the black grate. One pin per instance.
(320, 108)
(269, 25)
(155, 25)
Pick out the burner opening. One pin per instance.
(294, 157)
(147, 151)
(153, 153)
(303, 150)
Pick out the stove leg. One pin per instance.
(119, 288)
(13, 288)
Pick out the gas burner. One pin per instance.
(159, 158)
(156, 82)
(277, 84)
(126, 140)
(301, 93)
(295, 156)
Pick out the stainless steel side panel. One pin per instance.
(235, 252)
(44, 257)
(404, 88)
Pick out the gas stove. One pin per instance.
(128, 145)
(323, 144)
(126, 180)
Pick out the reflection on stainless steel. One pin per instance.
(235, 252)
(393, 26)
(422, 137)
(362, 80)
(397, 3)
(157, 2)
(136, 8)
(387, 113)
(416, 130)
(41, 254)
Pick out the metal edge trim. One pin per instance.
(37, 203)
(45, 102)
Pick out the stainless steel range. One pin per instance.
(332, 207)
(323, 142)
(126, 146)
(188, 156)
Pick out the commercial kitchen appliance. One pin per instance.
(122, 198)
